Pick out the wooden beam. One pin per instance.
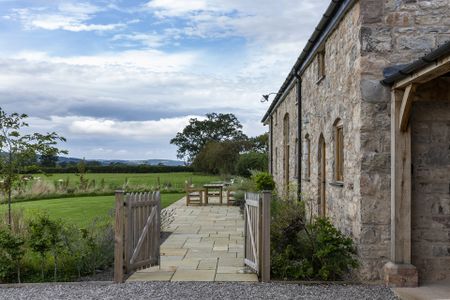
(406, 107)
(429, 73)
(400, 185)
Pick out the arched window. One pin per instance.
(307, 157)
(338, 151)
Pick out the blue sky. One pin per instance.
(120, 78)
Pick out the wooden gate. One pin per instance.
(137, 232)
(257, 233)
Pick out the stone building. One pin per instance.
(361, 126)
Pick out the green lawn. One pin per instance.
(174, 180)
(79, 211)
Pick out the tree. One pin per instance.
(258, 144)
(215, 128)
(251, 161)
(217, 158)
(18, 148)
(48, 160)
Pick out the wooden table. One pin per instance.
(213, 186)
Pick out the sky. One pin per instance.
(119, 78)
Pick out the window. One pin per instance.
(296, 156)
(321, 64)
(286, 152)
(307, 152)
(339, 151)
(275, 163)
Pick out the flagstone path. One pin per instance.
(206, 244)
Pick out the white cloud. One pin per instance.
(67, 16)
(165, 8)
(149, 60)
(134, 129)
(149, 40)
(144, 94)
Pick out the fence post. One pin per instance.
(265, 236)
(118, 239)
(158, 228)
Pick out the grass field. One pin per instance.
(79, 211)
(173, 180)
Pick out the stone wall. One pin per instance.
(286, 107)
(393, 32)
(430, 209)
(337, 96)
(374, 34)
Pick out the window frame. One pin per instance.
(339, 151)
(308, 157)
(321, 65)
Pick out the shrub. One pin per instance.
(264, 181)
(29, 249)
(302, 251)
(99, 245)
(334, 252)
(11, 253)
(46, 236)
(247, 162)
(241, 186)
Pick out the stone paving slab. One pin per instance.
(206, 244)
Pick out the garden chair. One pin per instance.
(231, 200)
(194, 196)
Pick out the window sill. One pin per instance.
(320, 79)
(337, 183)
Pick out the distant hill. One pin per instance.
(107, 162)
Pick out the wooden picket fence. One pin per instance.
(257, 233)
(137, 232)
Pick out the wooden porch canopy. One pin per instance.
(404, 83)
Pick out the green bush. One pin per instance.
(252, 161)
(333, 251)
(302, 251)
(46, 236)
(264, 181)
(45, 247)
(241, 186)
(11, 253)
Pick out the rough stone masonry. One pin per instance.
(371, 36)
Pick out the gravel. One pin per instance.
(196, 290)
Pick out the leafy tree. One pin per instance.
(215, 128)
(18, 148)
(81, 168)
(251, 161)
(258, 144)
(217, 158)
(48, 160)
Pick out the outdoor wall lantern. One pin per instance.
(265, 98)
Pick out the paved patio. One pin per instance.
(206, 244)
